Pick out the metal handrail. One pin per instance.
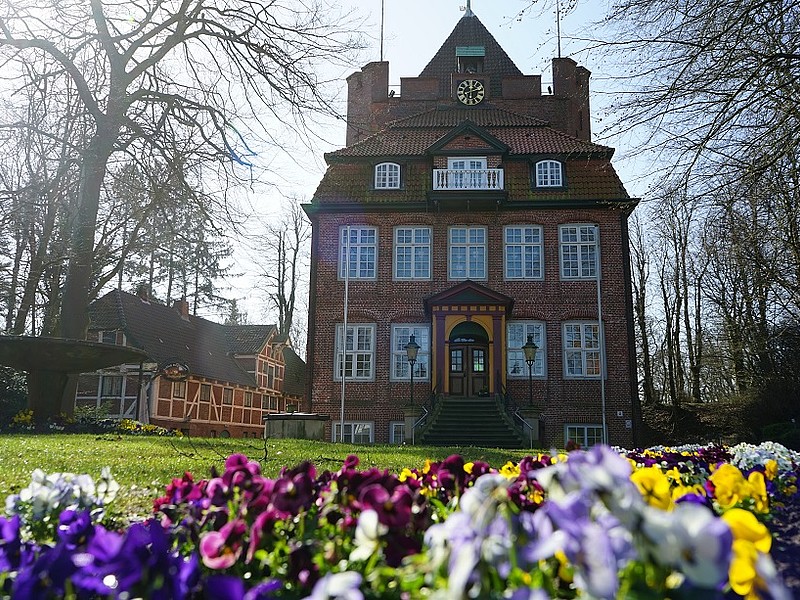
(422, 418)
(525, 424)
(512, 408)
(431, 401)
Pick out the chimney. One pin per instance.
(365, 88)
(182, 306)
(572, 82)
(142, 293)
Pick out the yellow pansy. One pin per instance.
(509, 470)
(771, 469)
(427, 467)
(680, 491)
(674, 475)
(745, 526)
(468, 467)
(405, 474)
(742, 572)
(758, 491)
(564, 568)
(654, 487)
(730, 486)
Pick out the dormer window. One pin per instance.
(470, 59)
(549, 173)
(387, 176)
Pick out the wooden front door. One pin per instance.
(469, 369)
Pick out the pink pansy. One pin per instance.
(221, 549)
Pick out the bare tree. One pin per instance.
(714, 82)
(640, 257)
(286, 248)
(174, 77)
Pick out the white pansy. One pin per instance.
(368, 536)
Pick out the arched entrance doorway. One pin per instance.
(468, 371)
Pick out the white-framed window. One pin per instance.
(363, 252)
(578, 251)
(517, 333)
(111, 386)
(549, 174)
(107, 337)
(582, 349)
(523, 252)
(397, 432)
(179, 389)
(205, 392)
(359, 351)
(467, 251)
(264, 402)
(227, 395)
(248, 399)
(400, 336)
(355, 432)
(585, 435)
(412, 253)
(387, 176)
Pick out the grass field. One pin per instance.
(143, 466)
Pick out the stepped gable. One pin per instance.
(206, 347)
(469, 31)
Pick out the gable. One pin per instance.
(469, 32)
(468, 136)
(469, 292)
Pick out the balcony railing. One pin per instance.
(468, 179)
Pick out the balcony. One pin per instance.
(467, 179)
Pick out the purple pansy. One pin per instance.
(394, 510)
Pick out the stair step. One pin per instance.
(470, 421)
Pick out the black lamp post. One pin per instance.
(530, 357)
(412, 347)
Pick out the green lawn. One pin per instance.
(143, 466)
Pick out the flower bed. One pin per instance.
(685, 522)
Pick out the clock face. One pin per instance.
(470, 92)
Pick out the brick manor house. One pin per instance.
(472, 214)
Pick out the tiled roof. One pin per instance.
(587, 179)
(469, 31)
(294, 379)
(414, 135)
(247, 339)
(483, 117)
(206, 347)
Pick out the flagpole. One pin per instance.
(344, 331)
(382, 15)
(558, 25)
(601, 335)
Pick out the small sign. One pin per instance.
(175, 371)
(628, 424)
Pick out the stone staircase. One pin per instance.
(470, 421)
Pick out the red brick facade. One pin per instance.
(511, 133)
